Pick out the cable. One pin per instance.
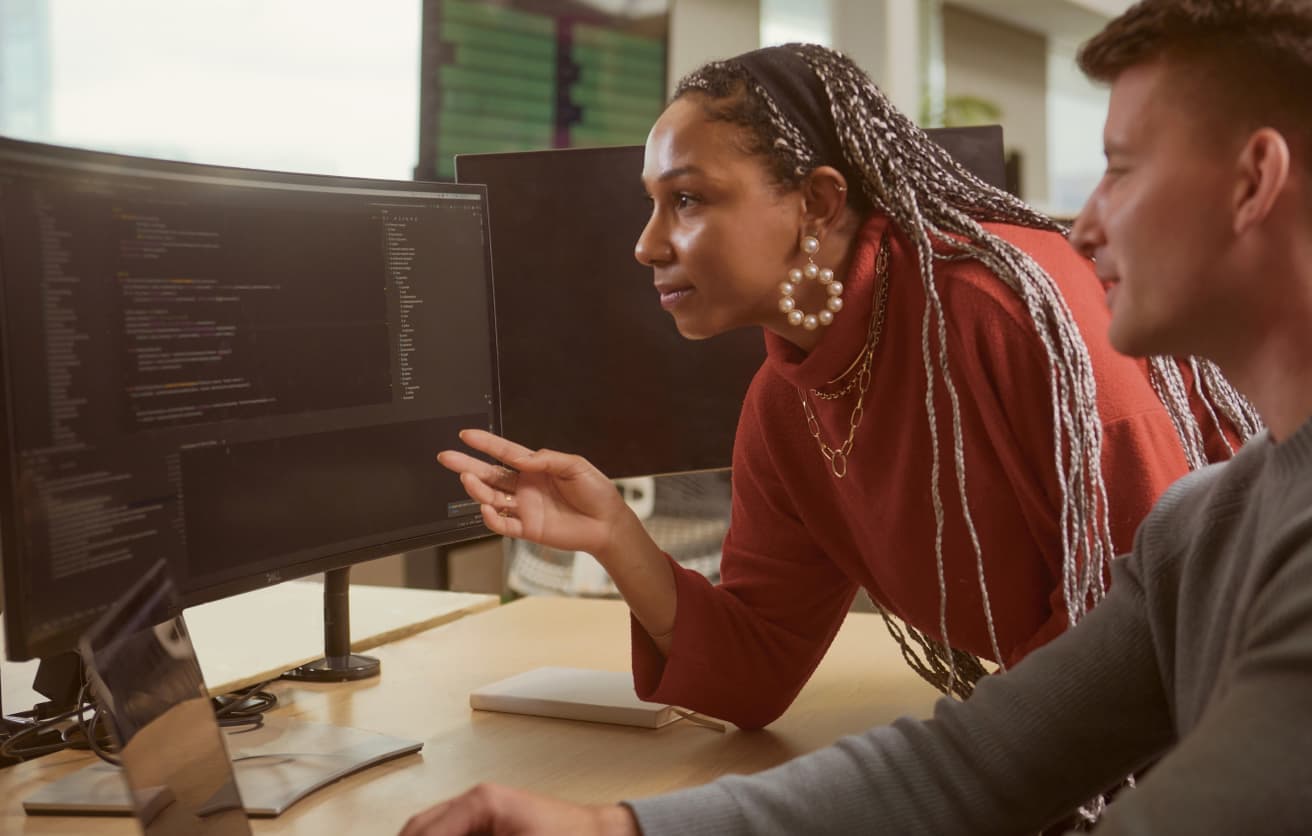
(240, 709)
(9, 748)
(105, 753)
(245, 707)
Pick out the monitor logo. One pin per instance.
(270, 578)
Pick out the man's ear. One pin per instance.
(1263, 173)
(824, 195)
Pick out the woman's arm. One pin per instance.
(743, 648)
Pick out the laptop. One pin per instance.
(143, 670)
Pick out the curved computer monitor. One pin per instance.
(589, 361)
(245, 373)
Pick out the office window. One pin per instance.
(1076, 109)
(24, 68)
(327, 86)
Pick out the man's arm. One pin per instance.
(1027, 748)
(1246, 767)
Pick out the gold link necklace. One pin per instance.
(837, 458)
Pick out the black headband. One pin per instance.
(800, 96)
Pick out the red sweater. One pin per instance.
(801, 541)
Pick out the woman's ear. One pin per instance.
(824, 197)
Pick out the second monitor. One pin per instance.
(589, 362)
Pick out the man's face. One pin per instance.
(1158, 225)
(721, 238)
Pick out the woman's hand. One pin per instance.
(555, 499)
(563, 502)
(501, 811)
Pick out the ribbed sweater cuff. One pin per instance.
(707, 810)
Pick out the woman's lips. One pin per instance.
(673, 296)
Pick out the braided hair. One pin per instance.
(935, 203)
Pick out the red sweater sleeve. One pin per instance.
(743, 649)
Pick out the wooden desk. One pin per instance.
(268, 646)
(424, 694)
(251, 637)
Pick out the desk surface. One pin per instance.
(240, 643)
(424, 694)
(379, 614)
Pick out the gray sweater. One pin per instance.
(1200, 656)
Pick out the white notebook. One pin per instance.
(573, 694)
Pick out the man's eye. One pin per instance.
(683, 200)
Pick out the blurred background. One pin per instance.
(394, 88)
(335, 86)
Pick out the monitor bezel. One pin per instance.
(18, 644)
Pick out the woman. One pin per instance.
(939, 419)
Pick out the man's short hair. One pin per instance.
(1245, 63)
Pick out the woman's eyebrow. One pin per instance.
(670, 174)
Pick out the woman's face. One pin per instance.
(721, 237)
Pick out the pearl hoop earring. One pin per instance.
(788, 305)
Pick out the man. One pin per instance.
(1200, 658)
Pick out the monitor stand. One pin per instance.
(58, 678)
(275, 765)
(338, 664)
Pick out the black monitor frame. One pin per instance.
(16, 609)
(590, 364)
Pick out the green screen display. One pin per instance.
(514, 76)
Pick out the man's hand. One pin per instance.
(501, 811)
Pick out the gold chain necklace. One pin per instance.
(837, 458)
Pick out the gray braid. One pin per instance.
(934, 202)
(1235, 407)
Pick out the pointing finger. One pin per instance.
(502, 449)
(495, 475)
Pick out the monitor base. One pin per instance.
(276, 766)
(336, 669)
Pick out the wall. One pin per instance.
(705, 30)
(884, 38)
(805, 21)
(1009, 66)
